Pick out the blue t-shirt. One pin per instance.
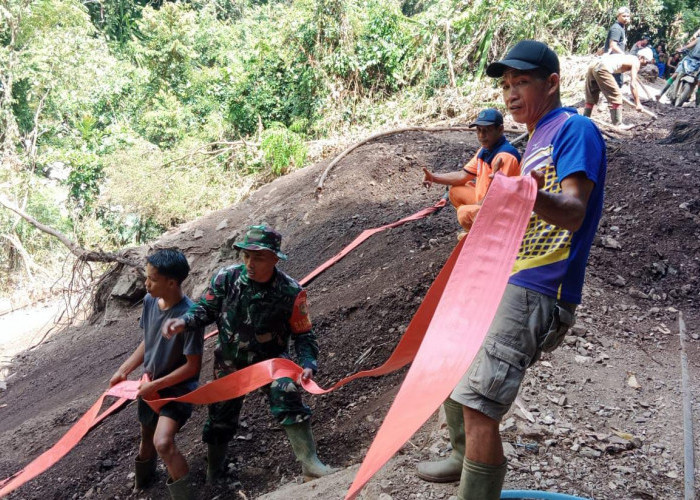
(552, 260)
(163, 356)
(501, 146)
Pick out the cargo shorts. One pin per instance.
(526, 323)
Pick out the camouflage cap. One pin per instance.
(262, 237)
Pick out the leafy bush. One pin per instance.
(273, 90)
(165, 122)
(283, 149)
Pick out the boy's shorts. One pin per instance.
(514, 342)
(180, 412)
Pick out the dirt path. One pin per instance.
(644, 268)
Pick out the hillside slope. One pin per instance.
(643, 269)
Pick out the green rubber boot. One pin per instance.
(449, 469)
(216, 458)
(669, 82)
(481, 481)
(587, 112)
(145, 472)
(616, 116)
(180, 489)
(302, 440)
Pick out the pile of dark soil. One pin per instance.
(645, 259)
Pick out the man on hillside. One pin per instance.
(257, 309)
(600, 79)
(566, 155)
(617, 37)
(172, 367)
(470, 185)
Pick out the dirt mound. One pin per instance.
(683, 132)
(643, 268)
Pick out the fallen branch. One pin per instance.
(378, 135)
(202, 150)
(77, 250)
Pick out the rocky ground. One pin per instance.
(600, 418)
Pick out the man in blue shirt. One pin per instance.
(566, 155)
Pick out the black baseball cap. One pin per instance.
(488, 116)
(525, 56)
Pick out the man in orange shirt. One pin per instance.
(470, 185)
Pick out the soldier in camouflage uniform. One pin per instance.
(257, 309)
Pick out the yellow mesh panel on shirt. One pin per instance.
(543, 243)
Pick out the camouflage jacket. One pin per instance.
(256, 320)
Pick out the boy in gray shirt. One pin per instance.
(172, 366)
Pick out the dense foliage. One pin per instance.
(121, 118)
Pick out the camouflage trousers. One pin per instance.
(283, 395)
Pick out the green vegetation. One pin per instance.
(122, 118)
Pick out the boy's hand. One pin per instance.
(146, 388)
(427, 178)
(172, 326)
(116, 378)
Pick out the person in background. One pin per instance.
(661, 57)
(616, 41)
(639, 45)
(672, 63)
(600, 79)
(469, 186)
(689, 64)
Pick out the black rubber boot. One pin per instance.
(481, 481)
(449, 469)
(180, 489)
(302, 440)
(216, 458)
(145, 472)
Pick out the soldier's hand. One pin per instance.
(172, 326)
(307, 374)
